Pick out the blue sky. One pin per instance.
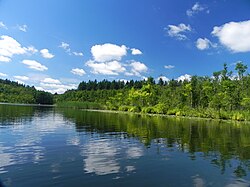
(54, 45)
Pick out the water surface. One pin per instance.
(45, 146)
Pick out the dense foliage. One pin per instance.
(221, 96)
(13, 92)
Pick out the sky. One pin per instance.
(54, 45)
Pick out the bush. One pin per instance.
(160, 108)
(238, 116)
(123, 108)
(134, 109)
(172, 111)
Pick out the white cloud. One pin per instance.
(51, 81)
(184, 77)
(4, 59)
(169, 66)
(56, 88)
(65, 46)
(165, 79)
(197, 7)
(9, 47)
(19, 81)
(136, 51)
(31, 49)
(178, 31)
(22, 28)
(2, 25)
(203, 44)
(108, 52)
(124, 80)
(77, 53)
(234, 36)
(78, 71)
(46, 54)
(139, 67)
(106, 68)
(3, 75)
(23, 78)
(67, 49)
(136, 69)
(32, 64)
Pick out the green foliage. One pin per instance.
(13, 92)
(220, 97)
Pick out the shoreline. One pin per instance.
(127, 112)
(165, 115)
(23, 104)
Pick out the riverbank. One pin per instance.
(23, 104)
(208, 114)
(165, 115)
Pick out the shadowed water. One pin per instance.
(44, 146)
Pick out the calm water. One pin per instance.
(42, 146)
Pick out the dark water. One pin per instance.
(42, 146)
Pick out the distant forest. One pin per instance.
(13, 92)
(220, 96)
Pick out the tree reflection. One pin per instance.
(219, 142)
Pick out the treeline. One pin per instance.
(221, 96)
(13, 92)
(110, 85)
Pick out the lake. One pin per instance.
(46, 146)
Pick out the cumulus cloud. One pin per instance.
(51, 81)
(184, 77)
(56, 88)
(3, 75)
(2, 25)
(169, 66)
(197, 7)
(78, 71)
(177, 31)
(32, 64)
(9, 47)
(46, 54)
(4, 59)
(165, 79)
(22, 28)
(202, 44)
(23, 78)
(136, 51)
(108, 52)
(106, 68)
(136, 69)
(234, 36)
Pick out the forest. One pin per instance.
(224, 95)
(13, 92)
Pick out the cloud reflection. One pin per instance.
(239, 183)
(6, 159)
(134, 152)
(101, 157)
